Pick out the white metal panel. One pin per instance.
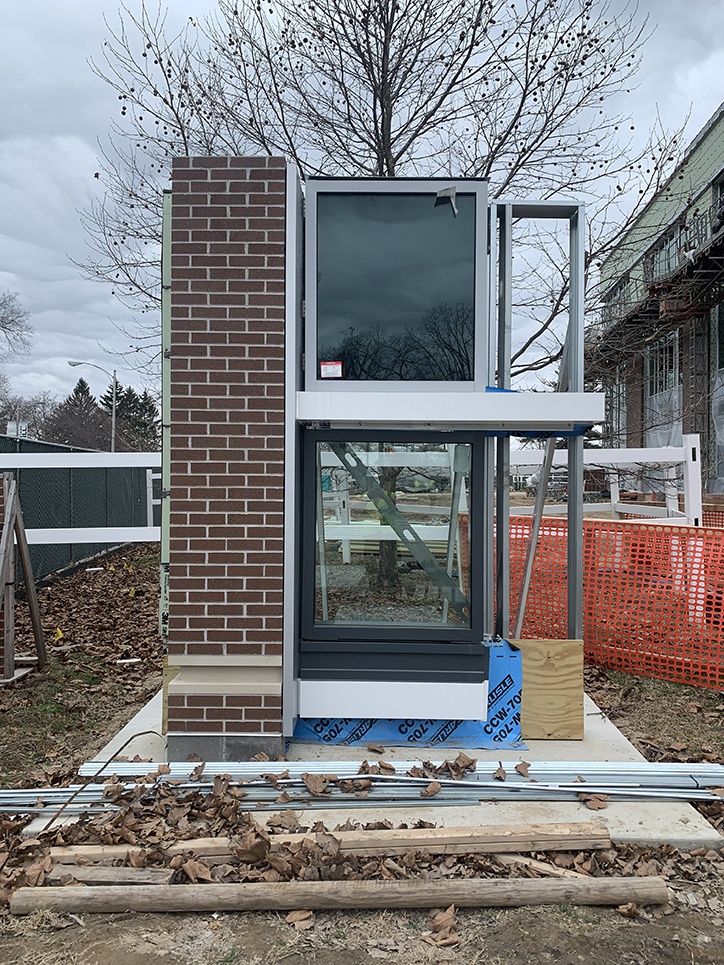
(396, 699)
(95, 534)
(501, 411)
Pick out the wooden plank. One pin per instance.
(24, 554)
(415, 893)
(544, 867)
(552, 695)
(96, 874)
(7, 574)
(460, 840)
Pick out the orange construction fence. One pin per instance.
(653, 595)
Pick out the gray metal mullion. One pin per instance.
(502, 545)
(575, 538)
(505, 295)
(577, 257)
(492, 293)
(502, 462)
(577, 253)
(487, 510)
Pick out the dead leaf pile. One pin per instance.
(54, 719)
(451, 770)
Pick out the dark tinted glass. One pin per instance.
(395, 287)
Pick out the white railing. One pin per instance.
(87, 460)
(616, 461)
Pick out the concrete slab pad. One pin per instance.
(629, 822)
(144, 733)
(602, 741)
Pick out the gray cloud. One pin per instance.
(54, 110)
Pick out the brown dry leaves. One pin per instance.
(433, 788)
(301, 919)
(318, 784)
(443, 928)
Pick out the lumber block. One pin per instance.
(95, 874)
(313, 895)
(552, 694)
(455, 840)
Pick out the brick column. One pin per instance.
(227, 457)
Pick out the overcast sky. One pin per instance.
(53, 110)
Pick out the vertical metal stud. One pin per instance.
(577, 256)
(502, 464)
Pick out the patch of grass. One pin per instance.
(662, 718)
(230, 957)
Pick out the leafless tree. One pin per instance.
(36, 411)
(15, 329)
(518, 94)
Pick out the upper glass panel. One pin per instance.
(395, 287)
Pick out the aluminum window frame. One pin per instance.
(407, 635)
(478, 187)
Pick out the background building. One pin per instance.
(659, 346)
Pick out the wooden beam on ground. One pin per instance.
(476, 840)
(314, 895)
(95, 874)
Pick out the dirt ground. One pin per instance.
(55, 718)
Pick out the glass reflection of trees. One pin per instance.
(439, 349)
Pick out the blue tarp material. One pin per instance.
(501, 729)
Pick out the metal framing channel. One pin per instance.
(292, 381)
(502, 462)
(487, 494)
(577, 255)
(165, 411)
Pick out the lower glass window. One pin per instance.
(391, 536)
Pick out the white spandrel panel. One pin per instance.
(394, 699)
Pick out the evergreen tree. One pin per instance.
(137, 419)
(79, 421)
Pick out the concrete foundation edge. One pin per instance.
(223, 747)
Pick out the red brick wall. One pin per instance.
(227, 428)
(213, 713)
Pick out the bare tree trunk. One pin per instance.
(387, 574)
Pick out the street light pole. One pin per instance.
(113, 414)
(113, 396)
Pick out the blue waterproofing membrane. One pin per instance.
(500, 729)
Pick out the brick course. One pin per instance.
(227, 427)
